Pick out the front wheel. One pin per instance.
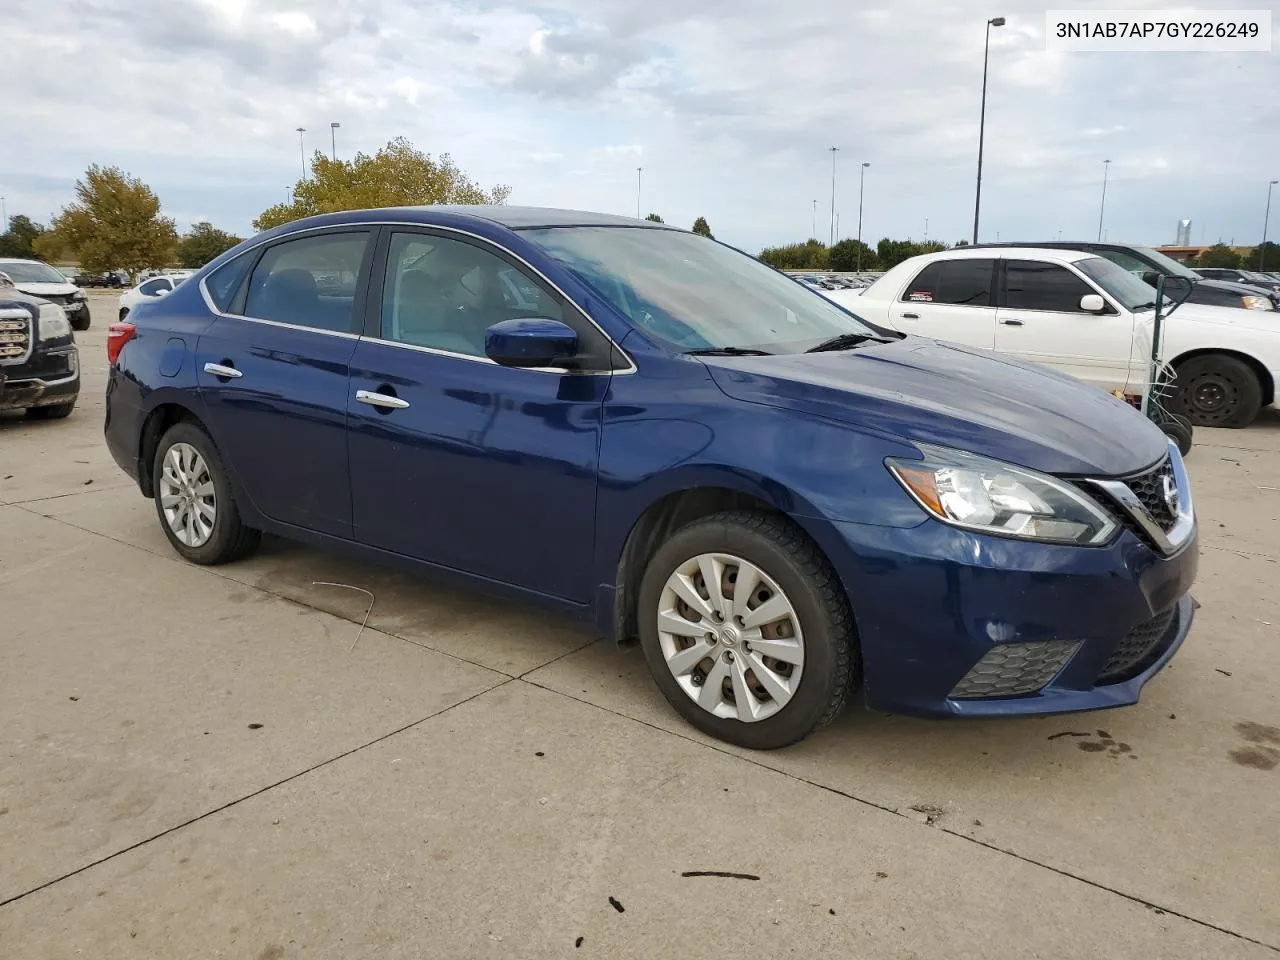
(1217, 390)
(747, 631)
(82, 322)
(194, 501)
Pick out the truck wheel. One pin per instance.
(747, 630)
(1216, 390)
(194, 501)
(83, 322)
(51, 412)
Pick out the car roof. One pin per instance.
(980, 251)
(512, 217)
(1066, 245)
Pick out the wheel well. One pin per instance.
(655, 525)
(1263, 375)
(158, 421)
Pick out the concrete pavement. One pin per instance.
(221, 763)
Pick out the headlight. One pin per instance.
(79, 295)
(53, 322)
(1257, 303)
(965, 490)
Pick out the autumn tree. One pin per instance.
(655, 218)
(398, 175)
(19, 240)
(114, 224)
(1220, 255)
(702, 228)
(203, 243)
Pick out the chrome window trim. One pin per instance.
(417, 227)
(1185, 523)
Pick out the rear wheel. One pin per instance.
(194, 501)
(1216, 390)
(747, 631)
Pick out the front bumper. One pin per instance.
(932, 602)
(49, 378)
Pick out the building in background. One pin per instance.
(1184, 234)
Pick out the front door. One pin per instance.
(949, 300)
(1040, 320)
(459, 461)
(273, 374)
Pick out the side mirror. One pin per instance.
(1092, 303)
(1150, 277)
(162, 292)
(530, 342)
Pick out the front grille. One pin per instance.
(1148, 487)
(1014, 669)
(1132, 654)
(15, 335)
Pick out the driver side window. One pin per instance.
(444, 294)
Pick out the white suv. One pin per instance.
(1085, 316)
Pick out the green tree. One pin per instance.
(114, 224)
(890, 253)
(1266, 256)
(844, 256)
(810, 255)
(203, 243)
(1220, 255)
(398, 175)
(655, 218)
(19, 240)
(702, 228)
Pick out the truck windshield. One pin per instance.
(30, 271)
(694, 293)
(1122, 285)
(1167, 265)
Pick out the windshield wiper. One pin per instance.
(728, 352)
(844, 341)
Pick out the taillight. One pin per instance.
(118, 334)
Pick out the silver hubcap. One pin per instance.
(731, 637)
(186, 495)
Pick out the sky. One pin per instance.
(729, 106)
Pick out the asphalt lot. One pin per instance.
(221, 763)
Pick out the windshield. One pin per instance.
(694, 293)
(1130, 291)
(1254, 275)
(30, 271)
(1167, 265)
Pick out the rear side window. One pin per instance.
(309, 282)
(224, 283)
(153, 287)
(957, 282)
(1031, 285)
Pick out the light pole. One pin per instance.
(302, 151)
(862, 177)
(4, 212)
(926, 229)
(333, 139)
(1106, 169)
(831, 239)
(1262, 250)
(982, 123)
(638, 169)
(814, 234)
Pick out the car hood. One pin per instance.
(1221, 316)
(45, 289)
(925, 391)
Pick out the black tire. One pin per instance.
(1217, 390)
(83, 322)
(231, 539)
(51, 412)
(784, 553)
(1179, 432)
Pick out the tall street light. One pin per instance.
(832, 235)
(1106, 169)
(302, 151)
(638, 170)
(862, 176)
(982, 122)
(814, 234)
(333, 139)
(1262, 250)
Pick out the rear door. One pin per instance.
(949, 300)
(273, 373)
(1040, 320)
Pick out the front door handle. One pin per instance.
(222, 372)
(911, 316)
(383, 400)
(1012, 323)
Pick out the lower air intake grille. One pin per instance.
(1014, 669)
(1130, 656)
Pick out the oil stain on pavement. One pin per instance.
(1263, 752)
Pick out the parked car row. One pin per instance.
(39, 362)
(783, 503)
(38, 279)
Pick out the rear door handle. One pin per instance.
(222, 372)
(383, 400)
(1012, 323)
(911, 316)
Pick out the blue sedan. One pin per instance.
(784, 504)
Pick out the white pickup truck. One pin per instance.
(1085, 316)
